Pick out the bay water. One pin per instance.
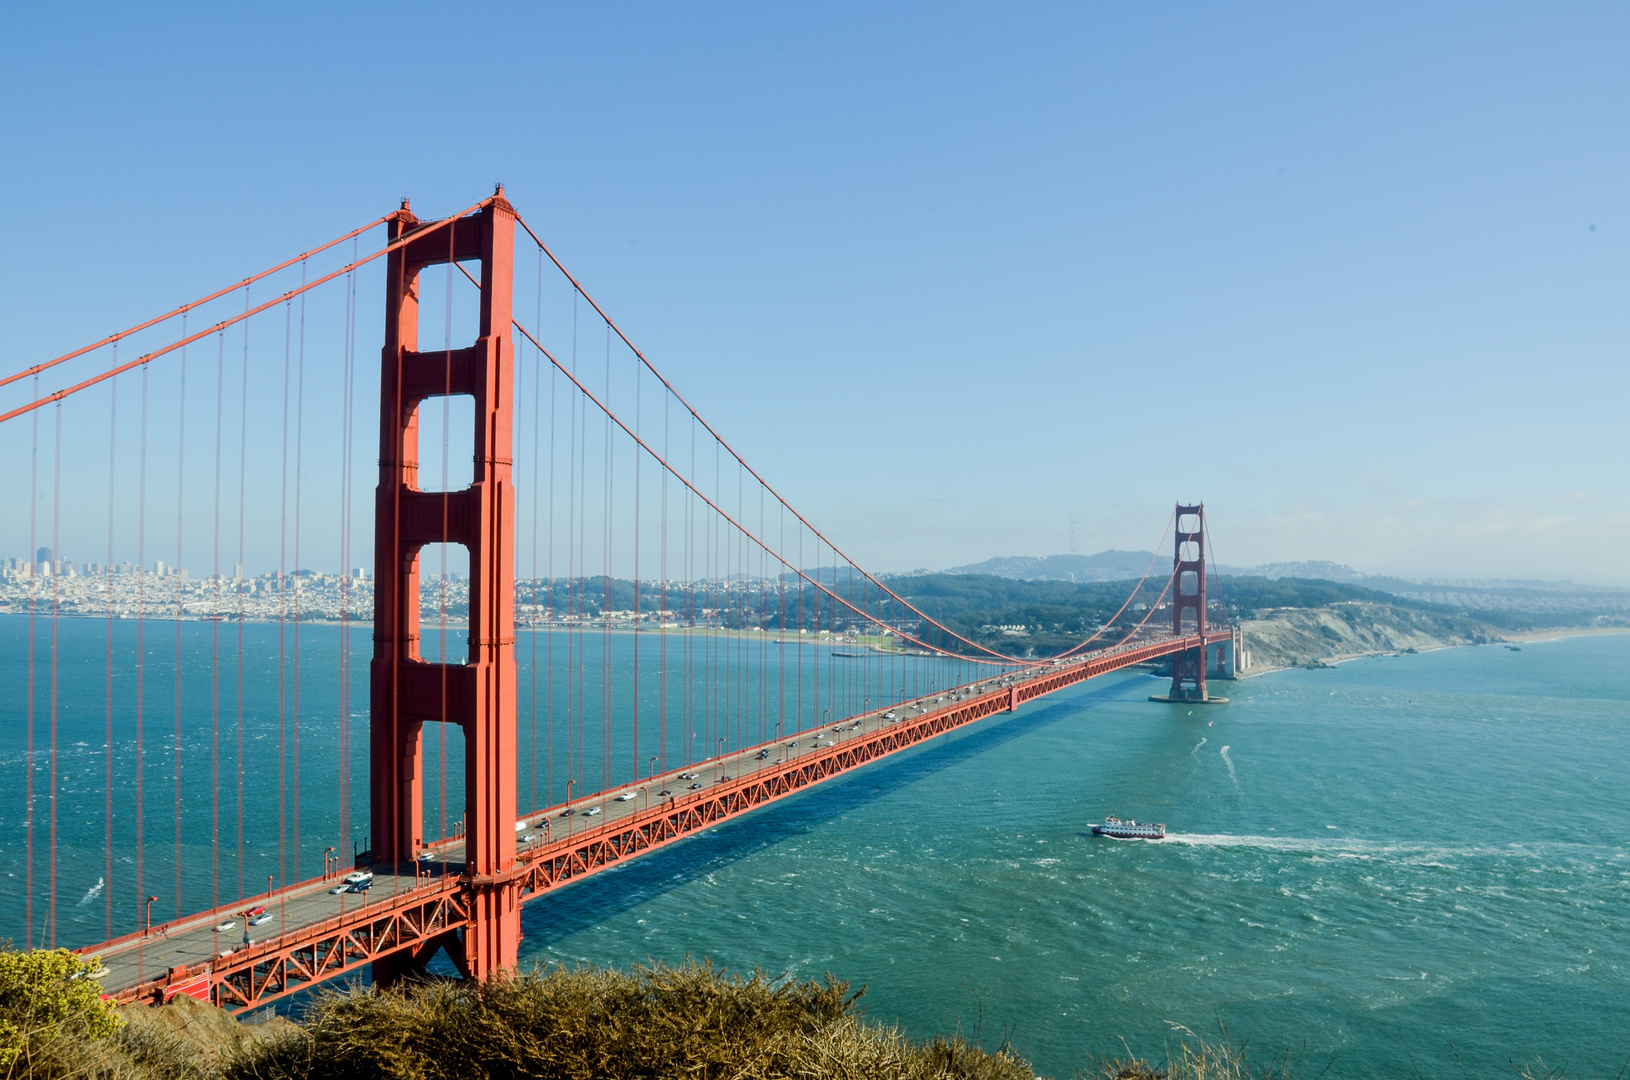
(1411, 865)
(1404, 865)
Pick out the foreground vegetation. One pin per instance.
(692, 1022)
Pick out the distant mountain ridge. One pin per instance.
(1560, 601)
(1104, 566)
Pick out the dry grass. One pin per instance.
(1194, 1058)
(657, 1022)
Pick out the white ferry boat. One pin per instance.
(1130, 830)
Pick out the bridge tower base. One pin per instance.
(406, 691)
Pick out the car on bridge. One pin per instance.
(627, 796)
(591, 811)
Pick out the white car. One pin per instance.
(627, 796)
(224, 927)
(357, 876)
(336, 890)
(529, 838)
(263, 917)
(591, 811)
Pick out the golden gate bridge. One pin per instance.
(679, 628)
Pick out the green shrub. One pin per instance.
(48, 1004)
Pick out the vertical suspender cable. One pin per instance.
(299, 461)
(662, 609)
(537, 378)
(28, 753)
(348, 428)
(571, 563)
(215, 639)
(607, 605)
(180, 602)
(238, 585)
(582, 595)
(554, 615)
(639, 405)
(107, 720)
(141, 659)
(282, 609)
(56, 605)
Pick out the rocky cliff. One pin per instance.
(1291, 637)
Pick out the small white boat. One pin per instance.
(1130, 830)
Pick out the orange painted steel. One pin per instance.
(406, 691)
(404, 931)
(415, 923)
(557, 864)
(1189, 601)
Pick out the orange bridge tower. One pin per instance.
(406, 691)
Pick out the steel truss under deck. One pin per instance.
(416, 923)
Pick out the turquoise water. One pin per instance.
(276, 743)
(1407, 863)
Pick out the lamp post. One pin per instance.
(147, 917)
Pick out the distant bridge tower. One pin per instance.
(1189, 602)
(408, 692)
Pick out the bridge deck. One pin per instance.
(316, 934)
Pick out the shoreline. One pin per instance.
(1553, 634)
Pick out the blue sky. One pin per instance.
(951, 276)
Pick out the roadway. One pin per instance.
(139, 958)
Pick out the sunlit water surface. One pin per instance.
(1415, 862)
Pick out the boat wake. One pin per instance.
(1423, 852)
(1196, 751)
(1230, 763)
(93, 892)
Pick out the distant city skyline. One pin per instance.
(959, 281)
